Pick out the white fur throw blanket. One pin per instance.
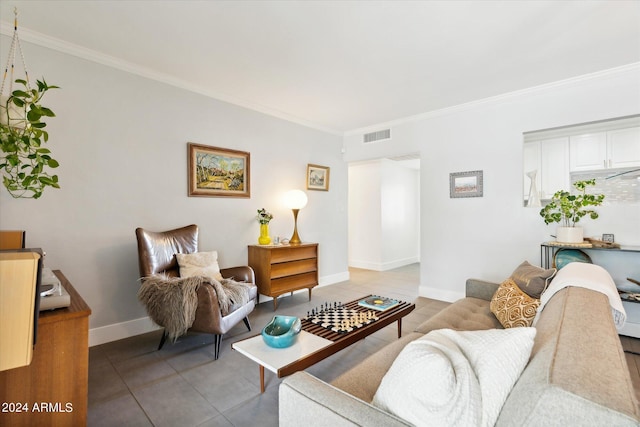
(588, 276)
(171, 302)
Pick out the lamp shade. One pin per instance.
(295, 199)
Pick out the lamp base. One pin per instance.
(295, 239)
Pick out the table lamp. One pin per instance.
(295, 200)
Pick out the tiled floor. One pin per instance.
(132, 384)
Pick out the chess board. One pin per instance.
(341, 319)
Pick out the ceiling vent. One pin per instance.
(380, 135)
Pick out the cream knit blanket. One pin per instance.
(589, 276)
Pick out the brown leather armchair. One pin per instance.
(156, 255)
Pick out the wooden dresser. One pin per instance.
(53, 389)
(284, 268)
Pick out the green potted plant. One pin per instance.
(23, 158)
(567, 209)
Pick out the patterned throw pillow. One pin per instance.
(532, 279)
(512, 306)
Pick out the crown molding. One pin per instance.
(59, 45)
(40, 39)
(498, 98)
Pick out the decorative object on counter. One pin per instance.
(317, 177)
(295, 200)
(609, 238)
(566, 256)
(595, 243)
(22, 135)
(264, 218)
(567, 209)
(282, 331)
(465, 184)
(534, 198)
(218, 172)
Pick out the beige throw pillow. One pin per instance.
(531, 279)
(513, 307)
(199, 264)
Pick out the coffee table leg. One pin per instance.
(400, 327)
(261, 379)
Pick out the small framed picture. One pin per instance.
(608, 238)
(317, 177)
(465, 184)
(218, 172)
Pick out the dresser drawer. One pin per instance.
(293, 267)
(292, 283)
(293, 253)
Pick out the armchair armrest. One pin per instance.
(239, 274)
(306, 400)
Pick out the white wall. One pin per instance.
(384, 215)
(488, 237)
(121, 141)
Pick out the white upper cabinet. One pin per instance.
(618, 148)
(554, 159)
(550, 158)
(623, 146)
(588, 151)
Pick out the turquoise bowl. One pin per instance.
(282, 331)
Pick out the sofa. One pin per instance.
(576, 374)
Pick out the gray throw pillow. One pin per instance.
(532, 279)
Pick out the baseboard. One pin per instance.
(118, 331)
(439, 294)
(384, 266)
(333, 279)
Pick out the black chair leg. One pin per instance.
(217, 341)
(246, 322)
(163, 339)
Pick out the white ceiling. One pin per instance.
(341, 66)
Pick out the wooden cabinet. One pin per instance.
(618, 148)
(53, 389)
(283, 269)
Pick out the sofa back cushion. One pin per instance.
(577, 374)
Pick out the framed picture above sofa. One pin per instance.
(218, 172)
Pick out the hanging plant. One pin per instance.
(24, 158)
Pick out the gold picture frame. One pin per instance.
(218, 172)
(317, 177)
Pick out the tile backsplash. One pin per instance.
(623, 189)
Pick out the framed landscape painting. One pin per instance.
(465, 184)
(317, 177)
(218, 172)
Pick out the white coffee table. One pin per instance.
(277, 360)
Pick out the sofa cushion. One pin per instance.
(455, 378)
(512, 307)
(467, 314)
(199, 264)
(531, 279)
